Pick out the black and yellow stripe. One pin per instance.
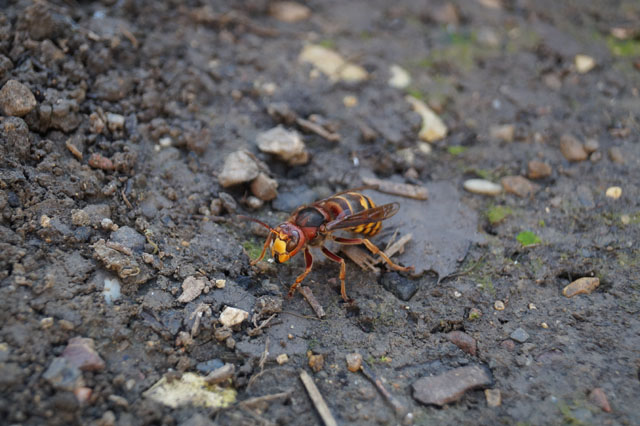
(351, 203)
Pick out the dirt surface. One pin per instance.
(114, 133)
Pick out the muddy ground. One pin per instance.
(109, 176)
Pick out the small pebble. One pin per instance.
(464, 341)
(532, 307)
(544, 325)
(518, 185)
(16, 99)
(230, 343)
(238, 167)
(450, 386)
(508, 345)
(332, 64)
(354, 362)
(400, 78)
(289, 11)
(572, 148)
(115, 122)
(82, 394)
(583, 285)
(599, 399)
(285, 144)
(233, 316)
(46, 323)
(316, 362)
(45, 221)
(481, 186)
(614, 192)
(504, 132)
(221, 374)
(433, 128)
(498, 305)
(494, 397)
(625, 219)
(81, 353)
(591, 145)
(519, 335)
(221, 334)
(475, 314)
(264, 187)
(282, 359)
(584, 63)
(191, 288)
(220, 283)
(615, 154)
(350, 101)
(538, 170)
(254, 203)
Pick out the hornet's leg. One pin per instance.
(264, 249)
(309, 262)
(343, 271)
(375, 250)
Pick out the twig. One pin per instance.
(252, 402)
(369, 374)
(396, 188)
(124, 197)
(221, 374)
(318, 129)
(360, 257)
(311, 299)
(317, 399)
(398, 246)
(263, 359)
(263, 324)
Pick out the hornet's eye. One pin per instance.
(293, 241)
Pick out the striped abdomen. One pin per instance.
(348, 204)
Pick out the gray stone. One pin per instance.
(519, 335)
(450, 386)
(129, 237)
(239, 167)
(16, 99)
(81, 353)
(403, 288)
(287, 145)
(62, 375)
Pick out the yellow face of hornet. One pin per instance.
(285, 245)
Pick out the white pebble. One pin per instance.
(111, 290)
(584, 63)
(400, 78)
(482, 186)
(233, 316)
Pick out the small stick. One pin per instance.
(318, 129)
(396, 188)
(398, 246)
(221, 374)
(317, 399)
(252, 402)
(369, 374)
(255, 331)
(360, 257)
(311, 299)
(73, 149)
(126, 200)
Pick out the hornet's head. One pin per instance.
(288, 240)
